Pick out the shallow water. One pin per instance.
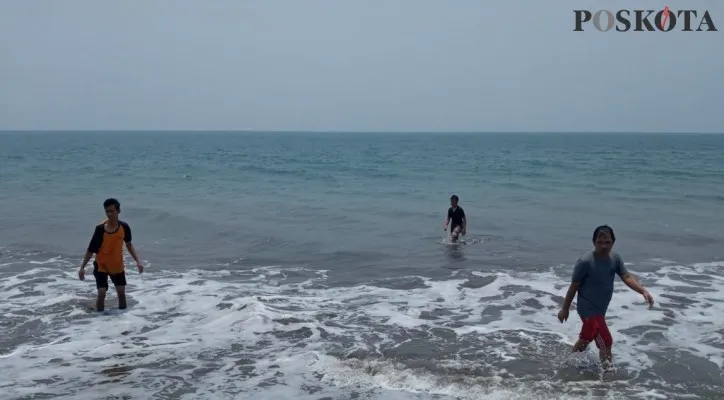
(312, 266)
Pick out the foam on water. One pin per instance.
(284, 333)
(463, 240)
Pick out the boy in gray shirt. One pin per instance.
(593, 278)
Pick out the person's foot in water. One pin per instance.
(455, 234)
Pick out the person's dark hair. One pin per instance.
(112, 202)
(604, 229)
(454, 197)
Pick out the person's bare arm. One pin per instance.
(580, 271)
(93, 247)
(634, 284)
(570, 295)
(447, 221)
(132, 250)
(86, 259)
(129, 245)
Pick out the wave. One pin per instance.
(285, 332)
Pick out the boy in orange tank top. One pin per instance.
(107, 244)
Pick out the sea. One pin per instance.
(297, 265)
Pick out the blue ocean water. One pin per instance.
(313, 265)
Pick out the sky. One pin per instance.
(344, 65)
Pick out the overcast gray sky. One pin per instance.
(372, 65)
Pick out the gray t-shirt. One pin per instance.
(596, 278)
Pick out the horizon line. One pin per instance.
(396, 132)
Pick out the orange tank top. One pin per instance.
(108, 247)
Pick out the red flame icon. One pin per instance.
(664, 18)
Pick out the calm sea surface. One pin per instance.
(314, 266)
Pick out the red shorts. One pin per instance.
(594, 329)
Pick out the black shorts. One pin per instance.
(102, 278)
(453, 227)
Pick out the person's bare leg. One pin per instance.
(580, 345)
(604, 342)
(456, 234)
(101, 299)
(604, 353)
(121, 290)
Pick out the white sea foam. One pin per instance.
(204, 334)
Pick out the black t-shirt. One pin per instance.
(456, 216)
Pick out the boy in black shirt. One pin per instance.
(456, 215)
